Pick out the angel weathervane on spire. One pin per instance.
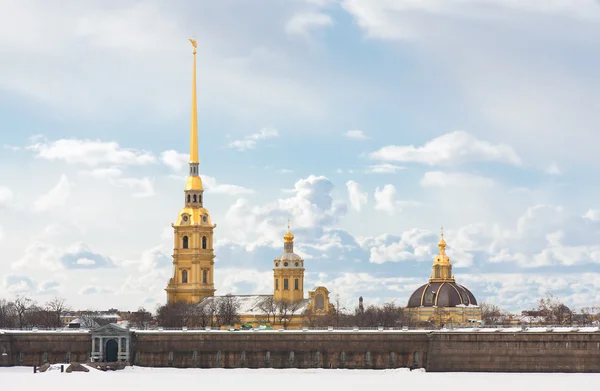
(194, 44)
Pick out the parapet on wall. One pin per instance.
(28, 348)
(440, 351)
(506, 351)
(287, 349)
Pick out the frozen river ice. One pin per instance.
(167, 379)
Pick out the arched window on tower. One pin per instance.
(186, 242)
(276, 285)
(204, 276)
(184, 276)
(200, 198)
(189, 198)
(194, 197)
(204, 242)
(437, 272)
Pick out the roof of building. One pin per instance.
(441, 294)
(252, 304)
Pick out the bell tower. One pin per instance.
(288, 272)
(193, 254)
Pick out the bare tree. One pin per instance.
(268, 306)
(286, 310)
(227, 310)
(23, 305)
(141, 318)
(57, 307)
(554, 310)
(8, 314)
(492, 314)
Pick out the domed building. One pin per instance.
(442, 301)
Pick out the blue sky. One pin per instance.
(369, 124)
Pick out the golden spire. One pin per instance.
(193, 181)
(194, 125)
(288, 237)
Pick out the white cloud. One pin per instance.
(454, 179)
(592, 214)
(380, 18)
(384, 168)
(17, 284)
(452, 148)
(356, 135)
(553, 169)
(142, 187)
(90, 152)
(211, 185)
(413, 245)
(250, 142)
(85, 262)
(6, 196)
(385, 200)
(358, 198)
(105, 173)
(310, 207)
(175, 160)
(56, 197)
(302, 24)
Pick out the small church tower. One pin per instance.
(288, 273)
(193, 254)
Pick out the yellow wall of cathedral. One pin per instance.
(443, 316)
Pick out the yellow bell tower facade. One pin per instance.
(288, 273)
(193, 254)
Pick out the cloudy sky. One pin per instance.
(369, 123)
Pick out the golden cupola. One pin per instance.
(441, 270)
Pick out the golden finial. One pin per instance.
(442, 243)
(288, 237)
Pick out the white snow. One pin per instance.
(160, 379)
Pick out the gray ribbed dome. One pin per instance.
(441, 294)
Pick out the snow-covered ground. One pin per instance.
(161, 379)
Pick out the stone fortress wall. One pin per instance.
(437, 351)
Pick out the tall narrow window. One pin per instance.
(285, 284)
(194, 197)
(204, 242)
(276, 285)
(204, 274)
(296, 284)
(184, 276)
(189, 198)
(200, 198)
(437, 272)
(186, 242)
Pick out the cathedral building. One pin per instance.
(193, 258)
(442, 302)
